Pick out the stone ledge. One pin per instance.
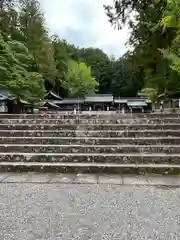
(151, 180)
(87, 127)
(83, 159)
(115, 120)
(70, 115)
(88, 149)
(137, 169)
(91, 140)
(91, 133)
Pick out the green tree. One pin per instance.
(146, 39)
(171, 19)
(152, 94)
(14, 74)
(100, 65)
(125, 82)
(35, 36)
(9, 24)
(79, 81)
(61, 59)
(114, 76)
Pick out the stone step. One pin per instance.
(121, 158)
(88, 126)
(117, 120)
(46, 148)
(106, 168)
(91, 140)
(91, 133)
(100, 115)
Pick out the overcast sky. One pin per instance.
(84, 23)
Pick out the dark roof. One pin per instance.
(137, 103)
(51, 104)
(142, 94)
(69, 101)
(2, 98)
(24, 102)
(3, 94)
(129, 99)
(132, 98)
(100, 98)
(102, 95)
(52, 95)
(120, 100)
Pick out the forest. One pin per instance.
(32, 62)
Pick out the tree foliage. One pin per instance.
(14, 75)
(154, 29)
(33, 61)
(35, 36)
(114, 76)
(171, 19)
(152, 94)
(79, 81)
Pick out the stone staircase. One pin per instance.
(113, 143)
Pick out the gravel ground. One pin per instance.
(33, 211)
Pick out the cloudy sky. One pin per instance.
(84, 23)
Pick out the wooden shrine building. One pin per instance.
(99, 102)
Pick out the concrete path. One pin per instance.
(59, 211)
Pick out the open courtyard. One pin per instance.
(50, 208)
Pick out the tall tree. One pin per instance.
(125, 82)
(9, 25)
(61, 58)
(36, 37)
(101, 67)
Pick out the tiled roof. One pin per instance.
(55, 95)
(137, 103)
(52, 104)
(99, 98)
(68, 101)
(120, 100)
(4, 93)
